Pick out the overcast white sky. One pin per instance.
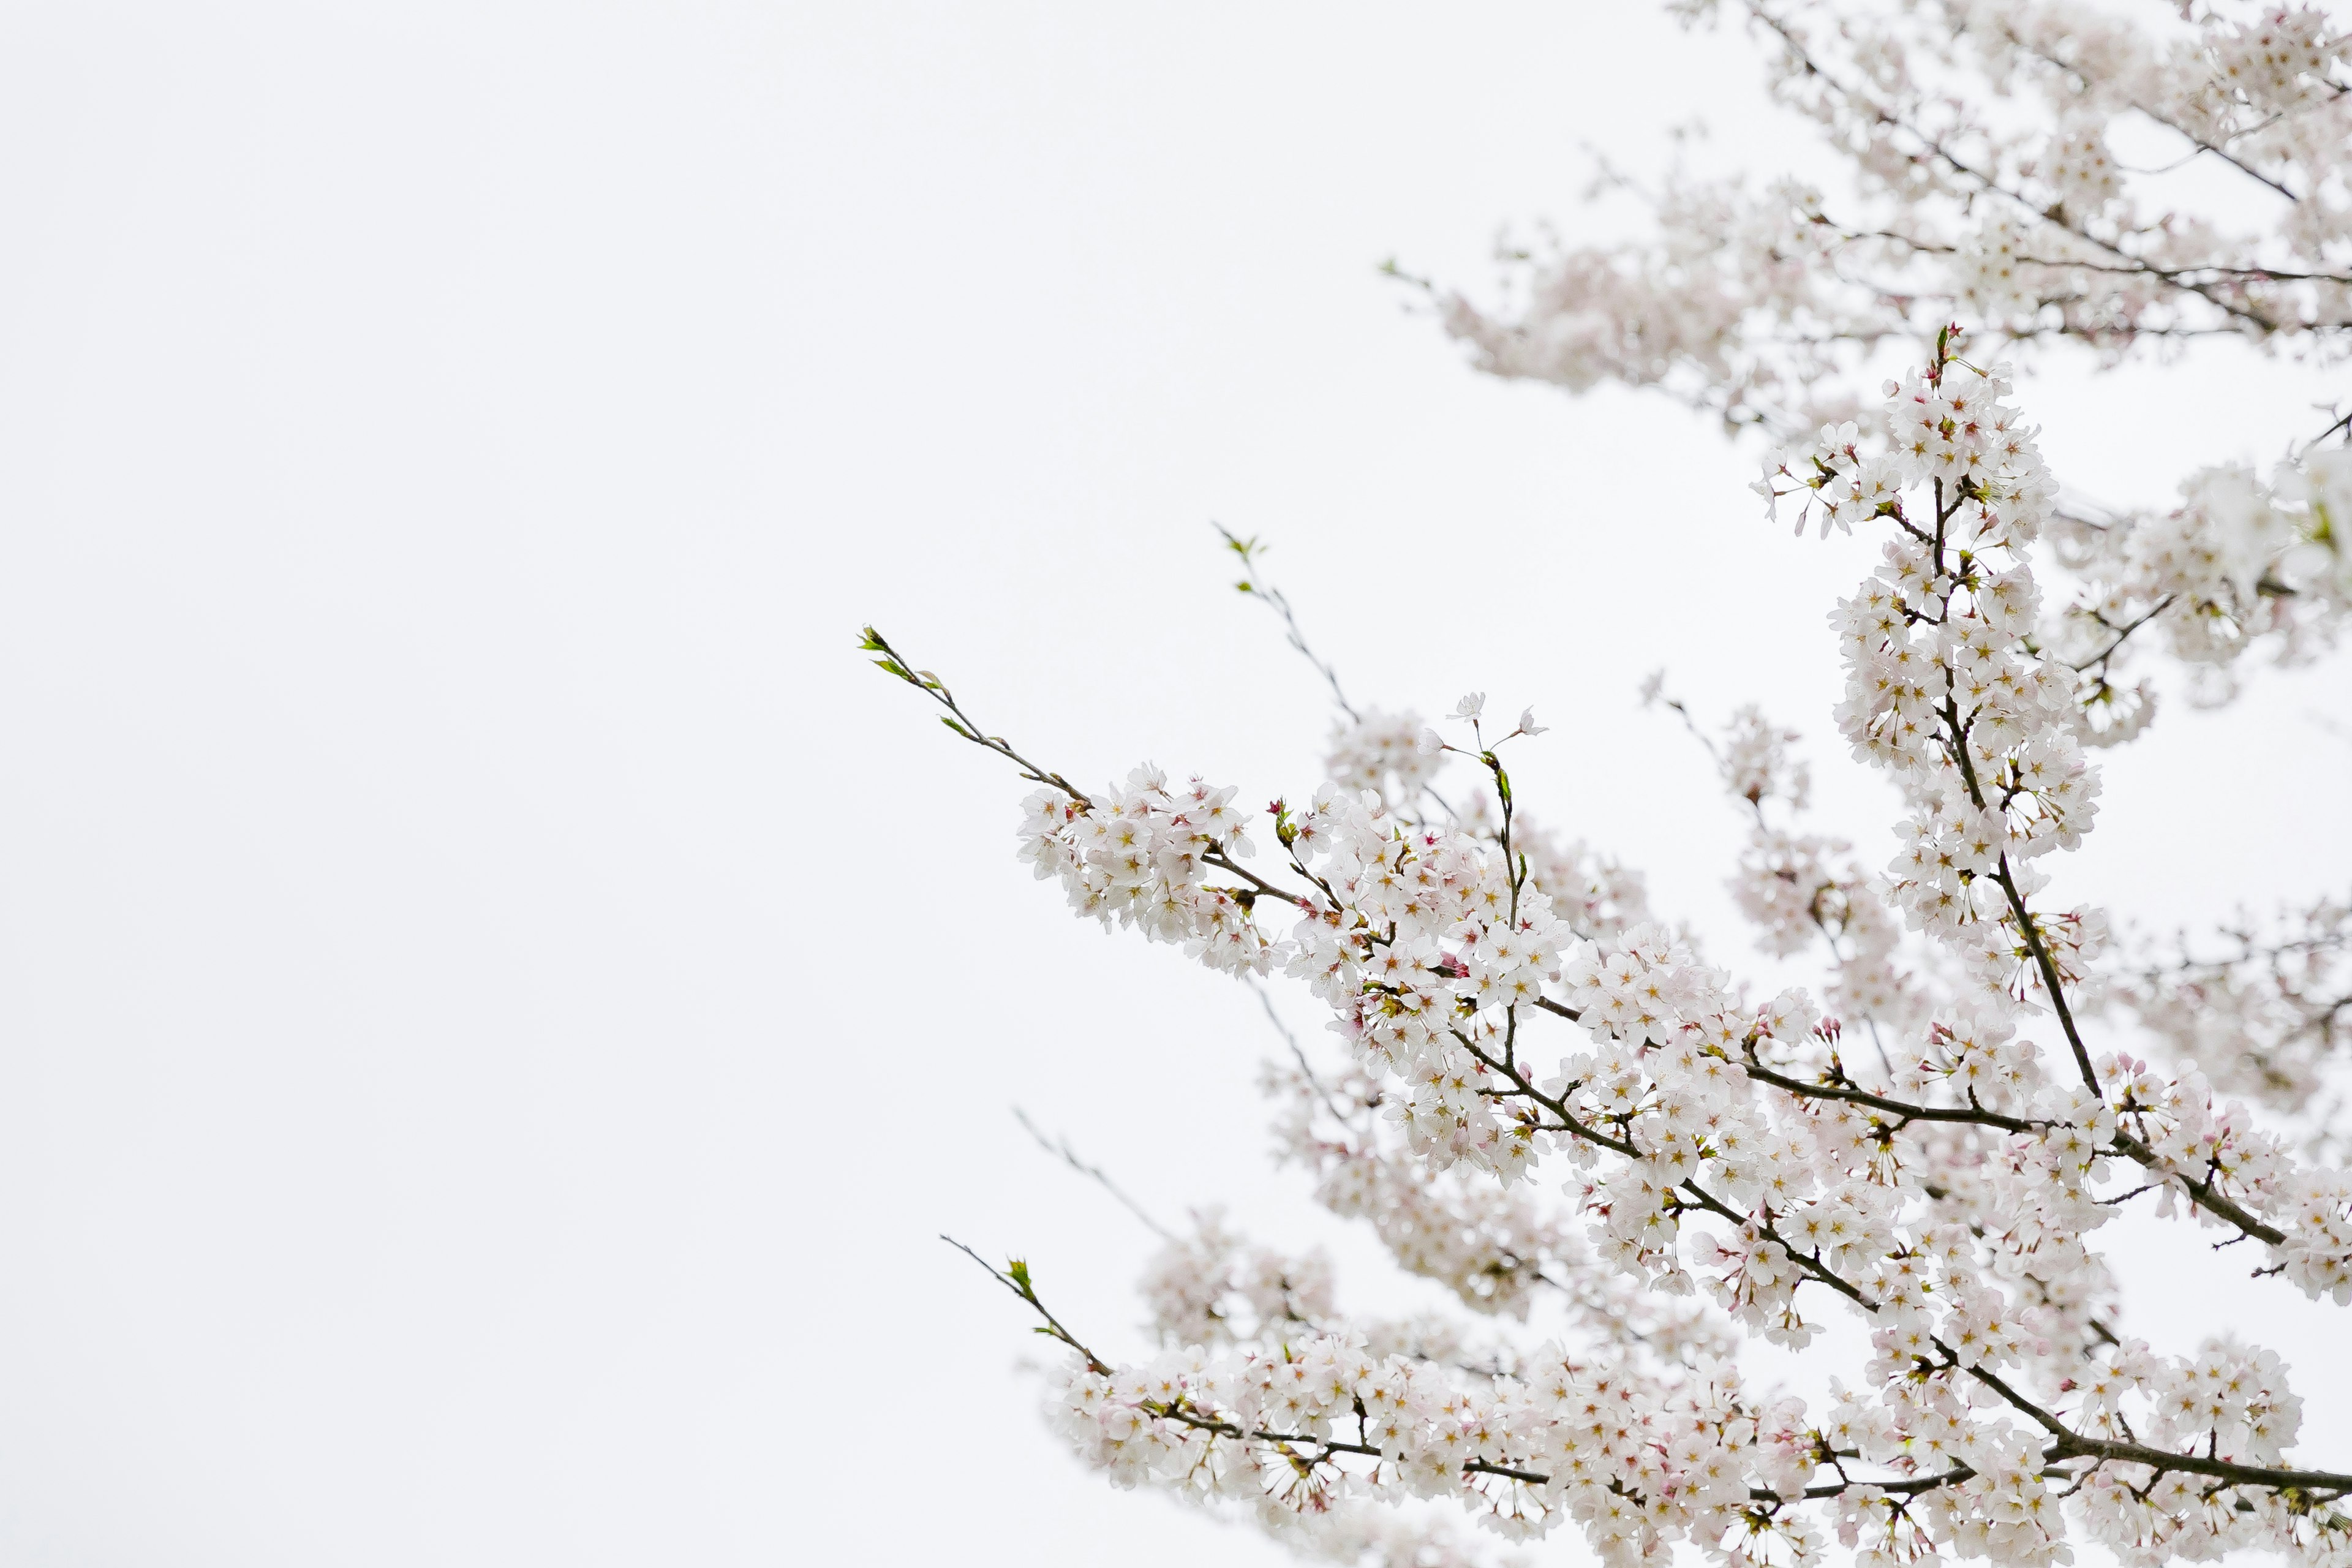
(497, 1002)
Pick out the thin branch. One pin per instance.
(1274, 599)
(1298, 1052)
(1014, 1276)
(1069, 1157)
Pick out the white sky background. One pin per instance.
(499, 1000)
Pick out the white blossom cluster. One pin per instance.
(1425, 941)
(1759, 762)
(1210, 1288)
(1677, 312)
(1639, 1464)
(1981, 187)
(1945, 688)
(1718, 1151)
(1499, 1250)
(1670, 1133)
(1566, 1438)
(1617, 1157)
(2207, 1149)
(1382, 752)
(1975, 137)
(1144, 855)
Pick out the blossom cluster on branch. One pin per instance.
(1975, 136)
(1980, 184)
(1733, 1165)
(1608, 1160)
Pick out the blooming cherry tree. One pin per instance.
(1623, 1165)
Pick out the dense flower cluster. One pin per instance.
(1639, 1465)
(1499, 1250)
(1210, 1288)
(2208, 1149)
(1977, 135)
(1425, 940)
(1725, 1157)
(1143, 855)
(1548, 1099)
(1382, 752)
(1945, 687)
(1566, 1438)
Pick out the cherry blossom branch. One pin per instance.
(1316, 1449)
(1705, 1157)
(1982, 180)
(2169, 122)
(2202, 1192)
